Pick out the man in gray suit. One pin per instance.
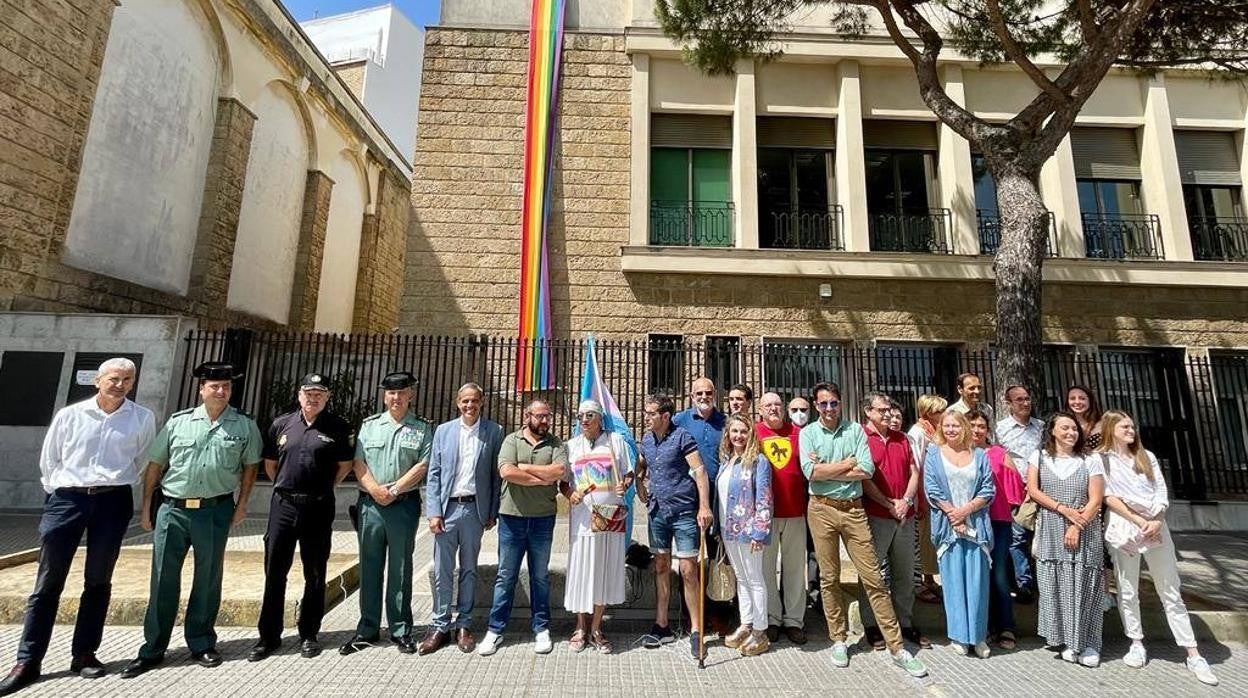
(461, 502)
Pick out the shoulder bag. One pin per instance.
(609, 518)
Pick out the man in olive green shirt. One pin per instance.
(199, 459)
(391, 457)
(531, 463)
(836, 459)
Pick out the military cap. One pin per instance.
(398, 380)
(216, 371)
(314, 381)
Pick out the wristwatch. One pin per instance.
(909, 501)
(394, 490)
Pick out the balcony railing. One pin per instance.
(691, 223)
(990, 232)
(798, 228)
(1220, 239)
(930, 232)
(1122, 236)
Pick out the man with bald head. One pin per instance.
(777, 440)
(705, 423)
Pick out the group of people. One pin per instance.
(956, 495)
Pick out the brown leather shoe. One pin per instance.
(796, 635)
(465, 641)
(433, 641)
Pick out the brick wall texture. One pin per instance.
(464, 238)
(383, 250)
(353, 75)
(310, 253)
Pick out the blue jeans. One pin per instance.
(1020, 551)
(681, 527)
(1001, 606)
(518, 537)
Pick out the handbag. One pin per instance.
(721, 580)
(1025, 515)
(609, 518)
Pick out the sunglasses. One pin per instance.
(586, 416)
(828, 404)
(795, 410)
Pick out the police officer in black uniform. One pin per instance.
(306, 454)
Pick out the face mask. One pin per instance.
(799, 418)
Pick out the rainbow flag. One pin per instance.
(594, 388)
(533, 369)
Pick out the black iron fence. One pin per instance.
(1192, 411)
(803, 228)
(1122, 236)
(1220, 238)
(989, 228)
(926, 232)
(692, 223)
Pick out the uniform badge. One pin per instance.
(778, 450)
(325, 438)
(281, 440)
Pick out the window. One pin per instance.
(30, 380)
(1107, 174)
(1145, 383)
(906, 371)
(666, 363)
(690, 180)
(1230, 380)
(901, 187)
(796, 185)
(723, 362)
(792, 367)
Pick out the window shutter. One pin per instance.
(1106, 153)
(796, 132)
(915, 135)
(1207, 157)
(691, 131)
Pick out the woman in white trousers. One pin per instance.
(745, 507)
(1135, 491)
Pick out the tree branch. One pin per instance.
(1087, 21)
(1019, 56)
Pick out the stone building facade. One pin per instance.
(193, 158)
(610, 276)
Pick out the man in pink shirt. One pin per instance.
(889, 497)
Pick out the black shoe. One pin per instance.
(359, 644)
(262, 650)
(88, 667)
(309, 649)
(658, 636)
(874, 637)
(695, 645)
(21, 676)
(207, 658)
(140, 665)
(773, 633)
(405, 643)
(917, 637)
(1024, 596)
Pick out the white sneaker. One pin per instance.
(840, 654)
(981, 650)
(489, 645)
(1090, 658)
(542, 643)
(910, 663)
(957, 647)
(1136, 657)
(1201, 669)
(1068, 655)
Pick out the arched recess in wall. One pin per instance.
(335, 301)
(272, 209)
(141, 184)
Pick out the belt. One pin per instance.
(200, 502)
(302, 497)
(466, 499)
(842, 504)
(93, 489)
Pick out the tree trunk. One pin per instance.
(1017, 267)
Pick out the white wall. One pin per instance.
(268, 223)
(335, 300)
(157, 338)
(136, 208)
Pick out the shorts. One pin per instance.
(682, 527)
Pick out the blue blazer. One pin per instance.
(444, 461)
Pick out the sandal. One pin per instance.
(600, 642)
(1006, 640)
(928, 594)
(576, 643)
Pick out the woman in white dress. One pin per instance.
(600, 471)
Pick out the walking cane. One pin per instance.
(702, 598)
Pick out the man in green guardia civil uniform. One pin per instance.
(391, 458)
(199, 459)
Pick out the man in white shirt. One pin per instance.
(91, 458)
(1020, 434)
(461, 502)
(970, 392)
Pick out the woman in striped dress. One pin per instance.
(1069, 542)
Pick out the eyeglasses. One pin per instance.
(828, 404)
(1025, 398)
(795, 410)
(542, 417)
(703, 392)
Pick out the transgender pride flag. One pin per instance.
(592, 388)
